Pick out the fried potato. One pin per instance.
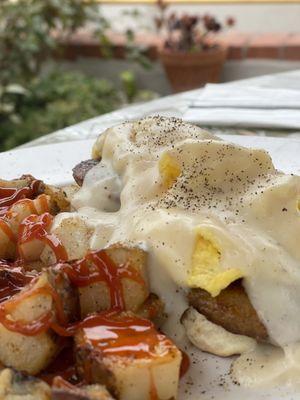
(58, 199)
(93, 298)
(130, 377)
(10, 224)
(43, 198)
(7, 241)
(96, 297)
(18, 183)
(153, 309)
(88, 392)
(13, 279)
(67, 293)
(74, 233)
(17, 386)
(33, 353)
(33, 265)
(28, 353)
(70, 191)
(23, 208)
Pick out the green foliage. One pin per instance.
(10, 96)
(129, 85)
(32, 105)
(131, 91)
(56, 101)
(26, 33)
(60, 99)
(135, 52)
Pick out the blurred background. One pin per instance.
(64, 61)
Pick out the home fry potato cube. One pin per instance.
(96, 296)
(130, 357)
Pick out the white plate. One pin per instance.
(208, 377)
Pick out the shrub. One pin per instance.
(30, 106)
(55, 101)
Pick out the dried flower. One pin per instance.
(211, 24)
(189, 32)
(230, 21)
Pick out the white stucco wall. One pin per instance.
(283, 17)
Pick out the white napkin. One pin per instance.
(226, 105)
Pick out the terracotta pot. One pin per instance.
(187, 71)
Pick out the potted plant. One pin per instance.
(190, 54)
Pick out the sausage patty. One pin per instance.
(80, 170)
(231, 309)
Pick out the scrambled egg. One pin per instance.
(169, 169)
(206, 271)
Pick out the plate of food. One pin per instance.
(156, 262)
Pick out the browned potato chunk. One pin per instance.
(35, 266)
(67, 293)
(87, 392)
(58, 199)
(153, 309)
(16, 386)
(135, 374)
(57, 196)
(70, 191)
(7, 241)
(96, 297)
(74, 234)
(28, 353)
(13, 279)
(33, 352)
(18, 183)
(10, 225)
(41, 198)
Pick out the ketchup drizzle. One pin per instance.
(37, 227)
(9, 196)
(127, 335)
(112, 333)
(119, 334)
(185, 364)
(97, 266)
(4, 225)
(12, 279)
(62, 369)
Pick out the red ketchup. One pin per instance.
(37, 227)
(112, 333)
(185, 364)
(97, 266)
(25, 195)
(9, 196)
(124, 336)
(119, 335)
(62, 369)
(12, 279)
